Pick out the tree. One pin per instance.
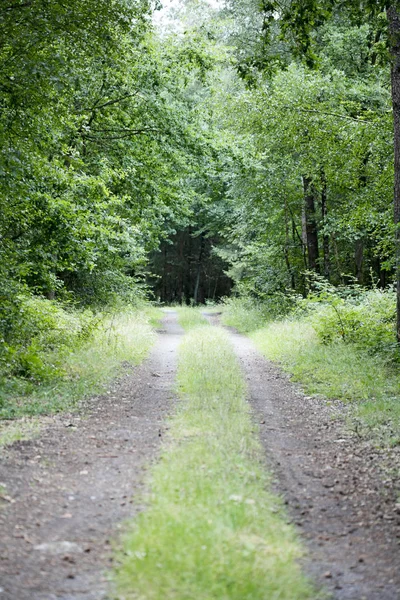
(300, 19)
(98, 141)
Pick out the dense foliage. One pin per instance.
(99, 142)
(242, 144)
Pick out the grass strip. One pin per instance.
(212, 529)
(190, 317)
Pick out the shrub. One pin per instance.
(36, 334)
(365, 318)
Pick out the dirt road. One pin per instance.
(72, 487)
(337, 487)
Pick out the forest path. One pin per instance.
(332, 482)
(72, 487)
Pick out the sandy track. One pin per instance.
(72, 487)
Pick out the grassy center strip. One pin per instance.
(212, 529)
(189, 317)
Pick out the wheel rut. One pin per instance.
(332, 482)
(71, 489)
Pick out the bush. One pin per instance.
(365, 318)
(37, 332)
(48, 381)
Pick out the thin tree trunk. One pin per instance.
(296, 235)
(325, 238)
(287, 246)
(336, 252)
(394, 29)
(187, 287)
(165, 278)
(199, 265)
(215, 288)
(311, 230)
(359, 259)
(181, 268)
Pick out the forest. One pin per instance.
(242, 151)
(200, 299)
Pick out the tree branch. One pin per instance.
(110, 102)
(124, 133)
(332, 114)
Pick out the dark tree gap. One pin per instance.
(186, 270)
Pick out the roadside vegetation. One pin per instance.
(337, 343)
(211, 529)
(235, 156)
(58, 355)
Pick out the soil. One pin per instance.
(339, 488)
(68, 492)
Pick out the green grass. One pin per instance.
(125, 338)
(337, 370)
(212, 530)
(153, 314)
(243, 314)
(189, 317)
(21, 429)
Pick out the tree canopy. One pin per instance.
(242, 145)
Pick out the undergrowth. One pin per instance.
(338, 343)
(70, 371)
(212, 529)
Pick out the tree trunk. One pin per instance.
(310, 224)
(199, 265)
(394, 29)
(287, 246)
(325, 239)
(165, 278)
(187, 287)
(359, 259)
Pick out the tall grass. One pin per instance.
(212, 530)
(189, 317)
(244, 314)
(337, 370)
(120, 339)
